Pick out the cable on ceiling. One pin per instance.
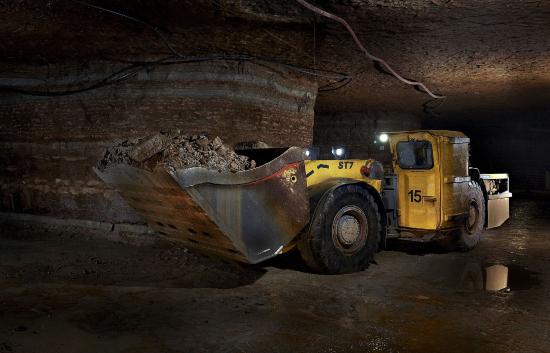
(137, 20)
(332, 86)
(116, 77)
(365, 51)
(314, 72)
(133, 69)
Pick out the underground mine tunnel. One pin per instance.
(274, 176)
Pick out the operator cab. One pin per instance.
(430, 189)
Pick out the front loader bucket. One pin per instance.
(247, 216)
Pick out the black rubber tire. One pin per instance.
(469, 236)
(317, 247)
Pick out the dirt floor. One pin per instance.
(60, 292)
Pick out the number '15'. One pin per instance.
(415, 195)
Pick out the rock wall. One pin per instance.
(490, 57)
(50, 144)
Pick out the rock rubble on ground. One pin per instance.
(174, 150)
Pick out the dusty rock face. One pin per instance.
(175, 151)
(47, 170)
(494, 56)
(246, 145)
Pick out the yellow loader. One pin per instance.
(338, 213)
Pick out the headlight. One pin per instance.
(383, 138)
(339, 152)
(311, 153)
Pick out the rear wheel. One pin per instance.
(344, 233)
(470, 233)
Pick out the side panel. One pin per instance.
(418, 189)
(454, 181)
(320, 171)
(498, 211)
(389, 198)
(418, 201)
(498, 194)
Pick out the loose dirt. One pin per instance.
(174, 150)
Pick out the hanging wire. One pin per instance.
(365, 51)
(155, 29)
(119, 76)
(133, 69)
(314, 72)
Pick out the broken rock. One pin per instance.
(149, 147)
(175, 151)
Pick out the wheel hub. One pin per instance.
(349, 229)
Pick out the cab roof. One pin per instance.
(444, 133)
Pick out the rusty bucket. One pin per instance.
(247, 216)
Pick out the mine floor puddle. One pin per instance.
(497, 277)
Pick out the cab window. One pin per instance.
(415, 155)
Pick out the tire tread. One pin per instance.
(313, 243)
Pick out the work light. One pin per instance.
(339, 152)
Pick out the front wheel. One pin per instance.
(344, 233)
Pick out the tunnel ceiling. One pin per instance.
(483, 55)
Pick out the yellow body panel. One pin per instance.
(428, 200)
(435, 198)
(418, 195)
(320, 171)
(454, 180)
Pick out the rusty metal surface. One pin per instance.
(194, 176)
(247, 216)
